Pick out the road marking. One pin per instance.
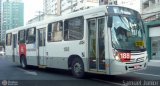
(147, 74)
(108, 82)
(28, 72)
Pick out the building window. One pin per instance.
(115, 2)
(110, 3)
(31, 35)
(155, 48)
(73, 29)
(145, 5)
(153, 1)
(55, 31)
(21, 36)
(8, 39)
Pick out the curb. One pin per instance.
(155, 63)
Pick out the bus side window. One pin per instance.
(55, 31)
(49, 31)
(31, 36)
(21, 36)
(73, 28)
(66, 32)
(8, 39)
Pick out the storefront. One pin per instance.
(153, 40)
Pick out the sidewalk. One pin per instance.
(154, 63)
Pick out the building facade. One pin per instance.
(136, 4)
(68, 6)
(13, 15)
(151, 10)
(151, 16)
(60, 7)
(36, 19)
(51, 7)
(41, 17)
(153, 41)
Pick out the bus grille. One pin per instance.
(138, 60)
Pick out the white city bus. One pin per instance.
(103, 40)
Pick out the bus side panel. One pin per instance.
(9, 53)
(31, 54)
(55, 56)
(59, 52)
(17, 56)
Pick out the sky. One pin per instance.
(31, 8)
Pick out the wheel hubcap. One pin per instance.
(77, 68)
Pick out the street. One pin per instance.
(33, 76)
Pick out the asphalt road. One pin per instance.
(14, 75)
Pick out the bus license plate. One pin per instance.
(137, 66)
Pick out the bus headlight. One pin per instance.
(117, 58)
(115, 54)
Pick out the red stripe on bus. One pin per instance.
(22, 49)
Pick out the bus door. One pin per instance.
(14, 48)
(96, 47)
(41, 46)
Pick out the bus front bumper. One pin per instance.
(122, 68)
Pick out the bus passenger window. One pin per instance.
(21, 36)
(55, 31)
(31, 36)
(73, 29)
(8, 39)
(49, 32)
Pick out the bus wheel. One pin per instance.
(77, 68)
(23, 62)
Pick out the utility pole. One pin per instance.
(39, 15)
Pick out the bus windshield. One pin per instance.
(127, 33)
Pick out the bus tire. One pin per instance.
(23, 62)
(77, 68)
